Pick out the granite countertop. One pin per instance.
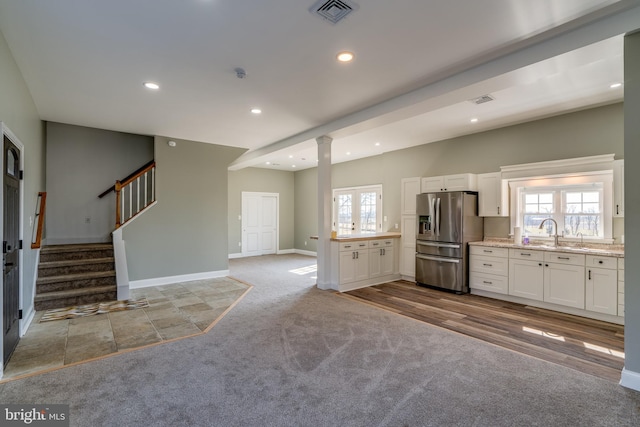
(566, 247)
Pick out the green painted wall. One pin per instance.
(18, 112)
(632, 203)
(263, 181)
(186, 231)
(83, 162)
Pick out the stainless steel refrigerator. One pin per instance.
(447, 222)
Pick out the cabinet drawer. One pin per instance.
(489, 251)
(380, 243)
(562, 258)
(487, 264)
(354, 246)
(602, 262)
(526, 254)
(489, 282)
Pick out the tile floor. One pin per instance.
(174, 311)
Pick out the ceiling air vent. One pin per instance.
(333, 10)
(482, 99)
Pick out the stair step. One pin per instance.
(65, 267)
(75, 276)
(76, 251)
(60, 299)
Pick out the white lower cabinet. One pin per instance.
(602, 285)
(587, 285)
(408, 246)
(381, 257)
(359, 263)
(526, 274)
(489, 269)
(354, 262)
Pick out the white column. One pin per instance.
(324, 212)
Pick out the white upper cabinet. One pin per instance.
(493, 195)
(618, 188)
(459, 182)
(410, 188)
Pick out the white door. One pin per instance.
(259, 223)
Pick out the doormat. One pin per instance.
(92, 309)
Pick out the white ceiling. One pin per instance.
(417, 64)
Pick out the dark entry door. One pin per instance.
(10, 248)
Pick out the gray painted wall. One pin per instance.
(186, 231)
(632, 202)
(19, 114)
(263, 181)
(81, 163)
(584, 133)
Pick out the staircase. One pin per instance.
(75, 274)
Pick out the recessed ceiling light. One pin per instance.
(151, 85)
(268, 163)
(256, 111)
(290, 156)
(348, 153)
(293, 166)
(474, 120)
(615, 85)
(377, 144)
(345, 56)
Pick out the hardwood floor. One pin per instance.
(587, 345)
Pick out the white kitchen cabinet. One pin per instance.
(526, 274)
(364, 261)
(493, 195)
(458, 182)
(408, 247)
(354, 261)
(564, 279)
(602, 285)
(489, 269)
(409, 189)
(380, 258)
(618, 188)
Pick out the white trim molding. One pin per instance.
(630, 379)
(308, 253)
(169, 280)
(563, 166)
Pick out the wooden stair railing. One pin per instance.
(36, 236)
(134, 193)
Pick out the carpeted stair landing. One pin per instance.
(74, 275)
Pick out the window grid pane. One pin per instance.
(368, 212)
(345, 208)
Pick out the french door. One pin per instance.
(357, 210)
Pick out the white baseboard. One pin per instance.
(630, 379)
(160, 281)
(236, 255)
(303, 252)
(286, 251)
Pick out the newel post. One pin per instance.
(118, 187)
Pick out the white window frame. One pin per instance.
(560, 183)
(356, 192)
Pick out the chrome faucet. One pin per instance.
(555, 236)
(581, 238)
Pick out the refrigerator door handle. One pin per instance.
(438, 245)
(431, 258)
(438, 216)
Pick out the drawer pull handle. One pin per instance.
(488, 265)
(524, 254)
(486, 282)
(600, 262)
(564, 257)
(489, 252)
